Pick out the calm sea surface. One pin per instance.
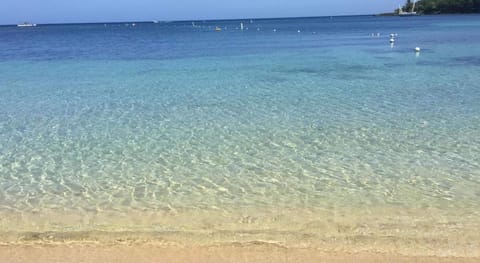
(303, 132)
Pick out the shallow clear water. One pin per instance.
(101, 125)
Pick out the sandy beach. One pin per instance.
(228, 253)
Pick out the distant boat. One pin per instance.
(411, 13)
(155, 21)
(218, 29)
(26, 24)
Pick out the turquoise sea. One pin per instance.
(304, 132)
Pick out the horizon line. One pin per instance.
(192, 20)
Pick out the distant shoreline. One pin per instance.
(421, 14)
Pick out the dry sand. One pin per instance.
(226, 253)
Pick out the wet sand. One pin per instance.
(226, 253)
(386, 235)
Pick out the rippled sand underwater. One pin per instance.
(339, 142)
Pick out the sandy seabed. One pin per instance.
(226, 253)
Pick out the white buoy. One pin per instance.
(417, 49)
(299, 31)
(392, 35)
(392, 40)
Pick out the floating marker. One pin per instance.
(298, 31)
(392, 40)
(417, 49)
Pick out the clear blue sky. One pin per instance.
(62, 11)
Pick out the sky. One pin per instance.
(72, 11)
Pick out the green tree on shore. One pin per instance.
(444, 6)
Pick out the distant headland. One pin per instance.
(429, 7)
